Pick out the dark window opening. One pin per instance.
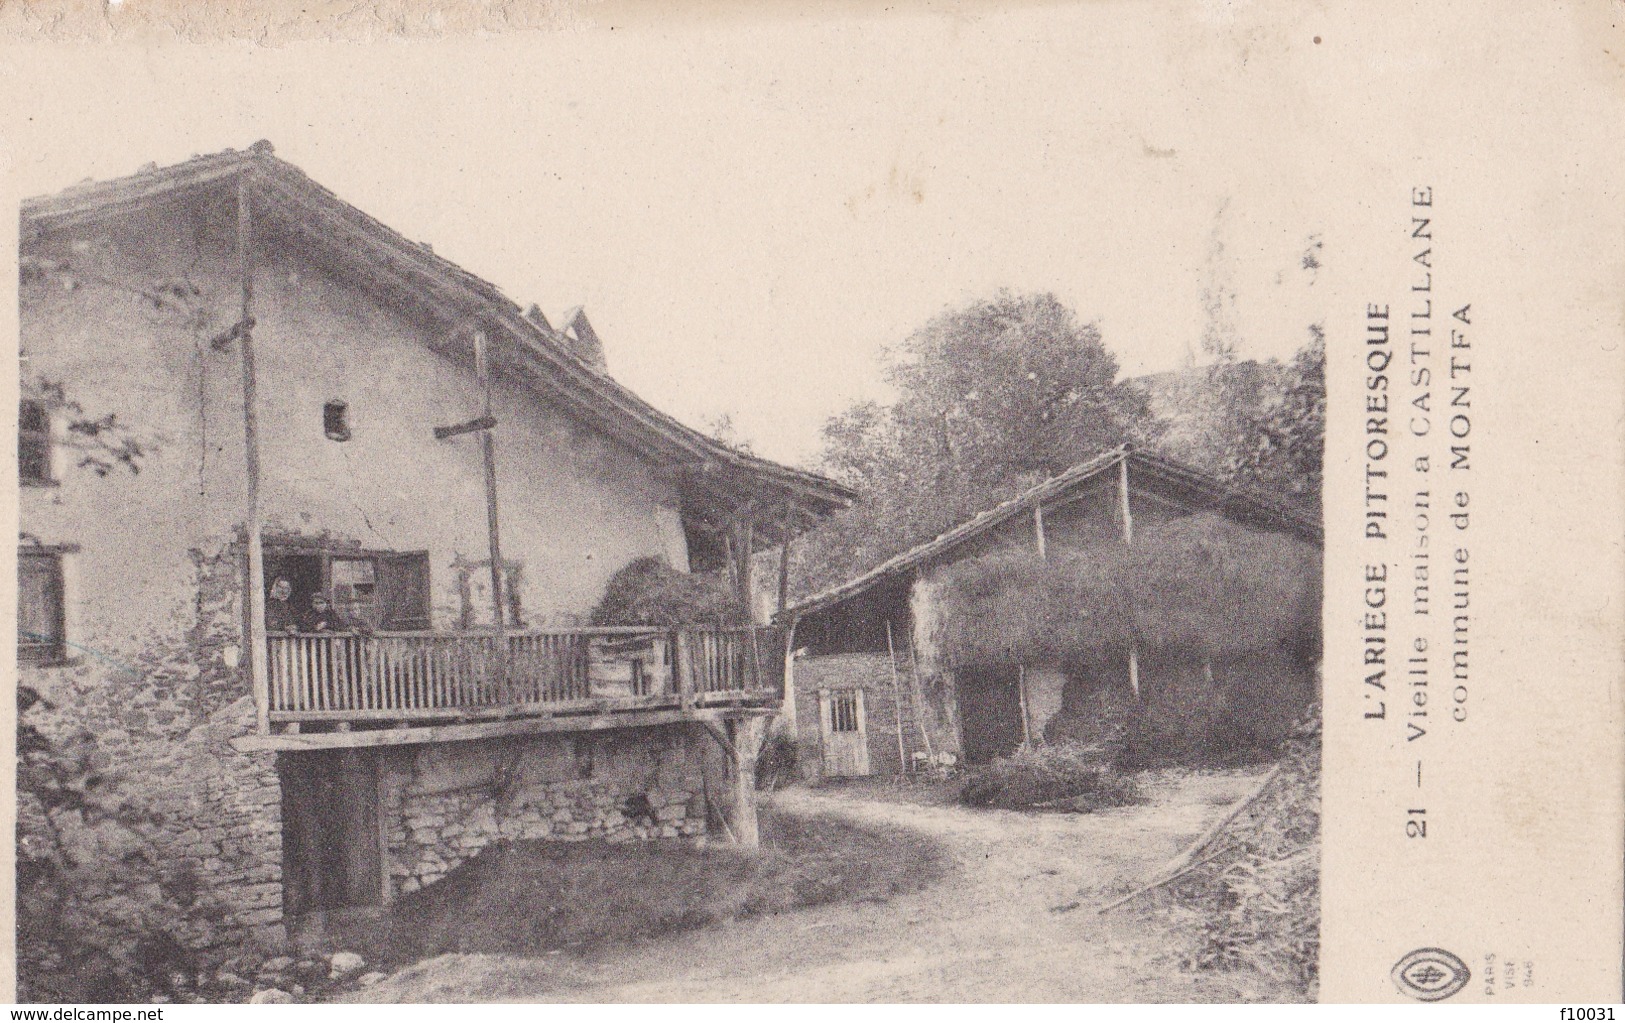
(40, 608)
(34, 442)
(336, 420)
(383, 590)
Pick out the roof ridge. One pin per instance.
(1086, 469)
(88, 196)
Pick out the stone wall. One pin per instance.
(443, 804)
(156, 724)
(872, 673)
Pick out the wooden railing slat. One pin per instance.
(414, 672)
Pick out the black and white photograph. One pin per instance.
(803, 507)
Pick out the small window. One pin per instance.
(843, 711)
(34, 443)
(40, 610)
(355, 589)
(336, 420)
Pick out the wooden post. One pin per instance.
(255, 602)
(784, 561)
(788, 726)
(744, 738)
(1038, 531)
(917, 691)
(1128, 541)
(482, 372)
(684, 651)
(1021, 694)
(744, 541)
(897, 701)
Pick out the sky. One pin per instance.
(751, 209)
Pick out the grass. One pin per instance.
(532, 898)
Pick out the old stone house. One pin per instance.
(230, 377)
(873, 693)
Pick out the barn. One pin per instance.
(1122, 588)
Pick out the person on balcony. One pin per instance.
(279, 610)
(324, 616)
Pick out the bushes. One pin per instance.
(778, 763)
(649, 592)
(1072, 771)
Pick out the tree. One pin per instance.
(992, 397)
(1286, 442)
(1257, 424)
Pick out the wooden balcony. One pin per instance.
(342, 681)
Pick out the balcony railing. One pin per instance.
(399, 676)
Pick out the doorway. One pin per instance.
(332, 857)
(845, 731)
(989, 711)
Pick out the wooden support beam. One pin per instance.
(1128, 541)
(254, 599)
(1026, 717)
(744, 540)
(788, 725)
(745, 735)
(722, 739)
(784, 560)
(472, 426)
(482, 372)
(412, 736)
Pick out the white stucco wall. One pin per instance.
(575, 506)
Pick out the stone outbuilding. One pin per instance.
(874, 694)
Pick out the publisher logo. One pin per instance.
(1431, 974)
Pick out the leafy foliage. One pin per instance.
(649, 592)
(992, 397)
(1257, 424)
(103, 443)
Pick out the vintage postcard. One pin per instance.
(1049, 502)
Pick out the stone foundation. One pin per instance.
(443, 804)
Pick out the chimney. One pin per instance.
(534, 314)
(583, 340)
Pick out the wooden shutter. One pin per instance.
(33, 442)
(39, 607)
(403, 590)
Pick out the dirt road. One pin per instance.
(1014, 921)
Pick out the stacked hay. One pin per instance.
(1255, 889)
(649, 592)
(1201, 586)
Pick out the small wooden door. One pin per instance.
(846, 732)
(331, 856)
